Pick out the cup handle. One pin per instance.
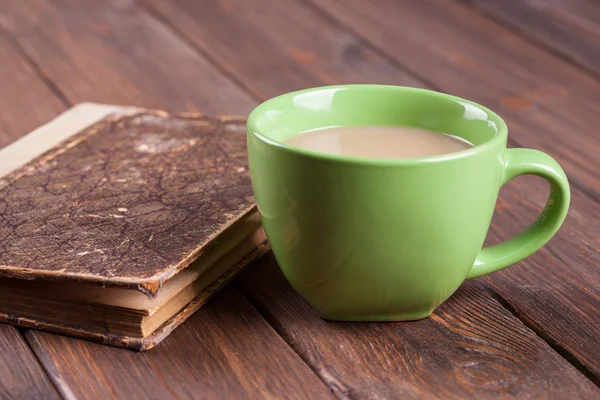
(522, 162)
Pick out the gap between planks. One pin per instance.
(154, 13)
(37, 69)
(529, 38)
(557, 347)
(62, 390)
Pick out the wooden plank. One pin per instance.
(26, 102)
(556, 291)
(549, 104)
(21, 375)
(226, 350)
(471, 347)
(564, 282)
(568, 27)
(113, 52)
(272, 47)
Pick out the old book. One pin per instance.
(116, 224)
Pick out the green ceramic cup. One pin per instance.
(389, 239)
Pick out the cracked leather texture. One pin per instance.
(127, 202)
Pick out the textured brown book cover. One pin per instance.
(127, 202)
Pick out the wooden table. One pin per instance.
(530, 331)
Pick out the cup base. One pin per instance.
(411, 316)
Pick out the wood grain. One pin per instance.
(470, 347)
(556, 291)
(25, 101)
(550, 104)
(272, 47)
(566, 282)
(112, 52)
(567, 27)
(226, 350)
(21, 376)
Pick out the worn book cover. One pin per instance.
(117, 223)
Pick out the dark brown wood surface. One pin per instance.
(21, 375)
(530, 331)
(471, 347)
(555, 291)
(23, 92)
(304, 48)
(566, 27)
(113, 52)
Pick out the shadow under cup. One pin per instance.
(375, 239)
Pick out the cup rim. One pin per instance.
(498, 139)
